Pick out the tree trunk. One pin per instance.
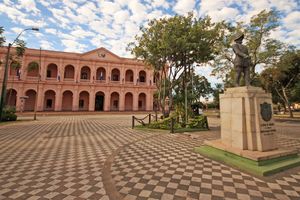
(284, 107)
(287, 102)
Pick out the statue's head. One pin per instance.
(238, 37)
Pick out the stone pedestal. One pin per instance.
(247, 119)
(248, 134)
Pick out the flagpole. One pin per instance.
(38, 83)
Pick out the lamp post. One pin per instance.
(3, 92)
(38, 85)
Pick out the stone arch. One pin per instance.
(67, 100)
(114, 101)
(99, 101)
(11, 97)
(33, 69)
(142, 76)
(85, 73)
(69, 72)
(115, 74)
(52, 71)
(30, 101)
(129, 75)
(142, 101)
(128, 101)
(84, 97)
(49, 100)
(101, 73)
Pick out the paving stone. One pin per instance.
(63, 157)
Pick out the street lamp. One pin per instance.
(3, 92)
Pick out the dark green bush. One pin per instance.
(164, 124)
(199, 122)
(9, 114)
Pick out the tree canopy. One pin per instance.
(262, 49)
(282, 79)
(173, 46)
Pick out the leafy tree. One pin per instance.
(283, 78)
(2, 39)
(262, 49)
(219, 88)
(173, 45)
(15, 57)
(197, 87)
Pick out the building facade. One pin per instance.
(97, 80)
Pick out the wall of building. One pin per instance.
(71, 81)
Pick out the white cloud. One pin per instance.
(59, 15)
(131, 28)
(159, 3)
(51, 31)
(44, 3)
(86, 13)
(46, 45)
(29, 6)
(184, 6)
(109, 8)
(70, 4)
(16, 30)
(78, 32)
(292, 20)
(121, 16)
(73, 46)
(285, 5)
(138, 10)
(226, 13)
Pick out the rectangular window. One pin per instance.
(140, 104)
(49, 103)
(48, 73)
(81, 103)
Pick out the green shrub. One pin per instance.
(164, 124)
(199, 122)
(9, 114)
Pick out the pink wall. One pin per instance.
(57, 62)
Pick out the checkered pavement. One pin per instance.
(165, 167)
(60, 157)
(90, 157)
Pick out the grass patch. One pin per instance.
(264, 168)
(145, 128)
(178, 130)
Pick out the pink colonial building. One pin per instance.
(97, 80)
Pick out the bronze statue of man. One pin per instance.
(242, 60)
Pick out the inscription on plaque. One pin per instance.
(267, 128)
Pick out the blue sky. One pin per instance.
(83, 25)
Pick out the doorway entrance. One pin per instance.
(99, 101)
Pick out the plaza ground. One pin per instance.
(101, 157)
